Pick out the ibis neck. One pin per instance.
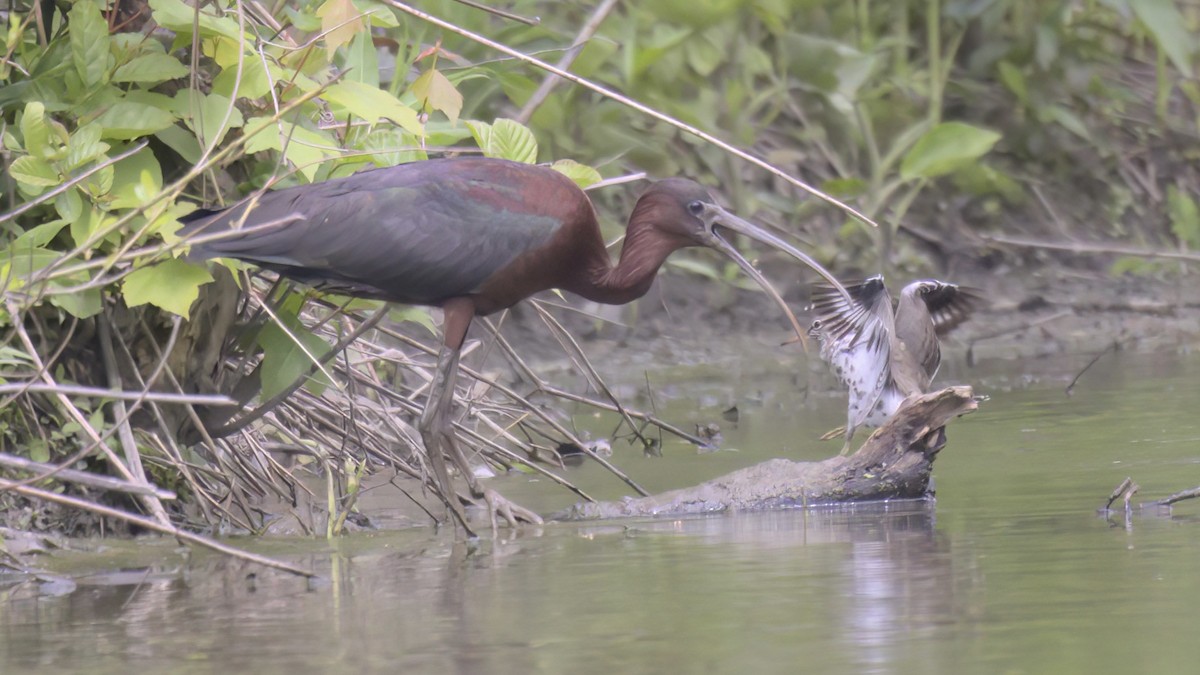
(643, 252)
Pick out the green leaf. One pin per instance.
(255, 80)
(482, 131)
(211, 116)
(302, 20)
(37, 237)
(982, 180)
(92, 221)
(1185, 217)
(284, 359)
(84, 146)
(166, 223)
(136, 180)
(389, 147)
(1014, 79)
(126, 120)
(13, 357)
(417, 315)
(697, 267)
(81, 304)
(177, 16)
(99, 183)
(372, 105)
(17, 265)
(69, 206)
(435, 92)
(381, 16)
(902, 143)
(263, 133)
(946, 147)
(34, 129)
(172, 285)
(511, 140)
(362, 60)
(582, 174)
(34, 172)
(89, 42)
(441, 133)
(1070, 121)
(39, 449)
(150, 68)
(1169, 29)
(307, 149)
(340, 20)
(58, 131)
(845, 188)
(181, 141)
(1133, 265)
(705, 52)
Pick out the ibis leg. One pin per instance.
(437, 429)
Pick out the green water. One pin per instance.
(1011, 571)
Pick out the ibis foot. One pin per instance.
(498, 505)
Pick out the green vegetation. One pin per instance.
(939, 119)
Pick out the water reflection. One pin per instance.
(1010, 571)
(865, 576)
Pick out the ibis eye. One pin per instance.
(695, 207)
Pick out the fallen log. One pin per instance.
(894, 463)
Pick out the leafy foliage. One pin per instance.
(172, 285)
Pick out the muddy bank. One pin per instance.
(1033, 312)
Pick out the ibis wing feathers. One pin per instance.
(415, 236)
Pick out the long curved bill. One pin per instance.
(720, 216)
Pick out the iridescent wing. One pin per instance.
(416, 233)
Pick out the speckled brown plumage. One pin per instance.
(884, 356)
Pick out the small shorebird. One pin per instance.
(885, 356)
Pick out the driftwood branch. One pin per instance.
(1126, 489)
(1178, 497)
(894, 463)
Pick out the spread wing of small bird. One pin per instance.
(883, 355)
(384, 233)
(929, 309)
(950, 304)
(855, 339)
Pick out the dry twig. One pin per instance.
(1178, 497)
(164, 528)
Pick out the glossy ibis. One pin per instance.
(882, 356)
(472, 236)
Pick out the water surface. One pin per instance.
(1010, 571)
